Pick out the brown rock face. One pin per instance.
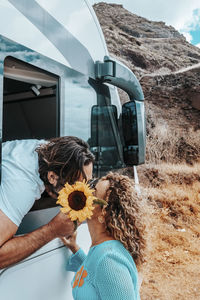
(145, 45)
(168, 68)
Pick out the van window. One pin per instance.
(30, 107)
(30, 104)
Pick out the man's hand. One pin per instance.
(70, 242)
(61, 225)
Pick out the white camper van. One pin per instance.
(57, 79)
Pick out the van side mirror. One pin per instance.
(133, 118)
(133, 125)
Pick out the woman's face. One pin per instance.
(100, 192)
(101, 188)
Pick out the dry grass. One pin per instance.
(168, 140)
(173, 191)
(165, 144)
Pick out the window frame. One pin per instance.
(29, 67)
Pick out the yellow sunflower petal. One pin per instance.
(68, 188)
(87, 212)
(80, 186)
(90, 200)
(62, 194)
(62, 201)
(74, 215)
(88, 208)
(82, 217)
(64, 210)
(90, 215)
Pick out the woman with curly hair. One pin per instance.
(117, 233)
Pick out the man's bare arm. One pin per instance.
(7, 228)
(17, 248)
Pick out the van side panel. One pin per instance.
(51, 28)
(42, 275)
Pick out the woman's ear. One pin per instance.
(101, 219)
(52, 178)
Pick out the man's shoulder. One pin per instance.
(20, 161)
(20, 144)
(20, 151)
(20, 181)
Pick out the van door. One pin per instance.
(42, 275)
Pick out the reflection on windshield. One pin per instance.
(104, 136)
(80, 97)
(101, 126)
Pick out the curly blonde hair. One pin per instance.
(123, 215)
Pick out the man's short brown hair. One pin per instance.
(66, 157)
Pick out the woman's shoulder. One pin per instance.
(113, 262)
(114, 251)
(111, 247)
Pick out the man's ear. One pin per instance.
(53, 178)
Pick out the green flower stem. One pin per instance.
(100, 202)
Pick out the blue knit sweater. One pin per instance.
(108, 272)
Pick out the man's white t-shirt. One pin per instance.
(20, 180)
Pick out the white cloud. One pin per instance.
(187, 35)
(192, 25)
(179, 13)
(198, 45)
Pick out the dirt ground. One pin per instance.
(172, 270)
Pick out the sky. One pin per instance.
(183, 15)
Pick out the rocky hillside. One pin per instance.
(168, 68)
(144, 45)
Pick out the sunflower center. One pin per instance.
(77, 200)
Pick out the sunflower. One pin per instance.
(77, 200)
